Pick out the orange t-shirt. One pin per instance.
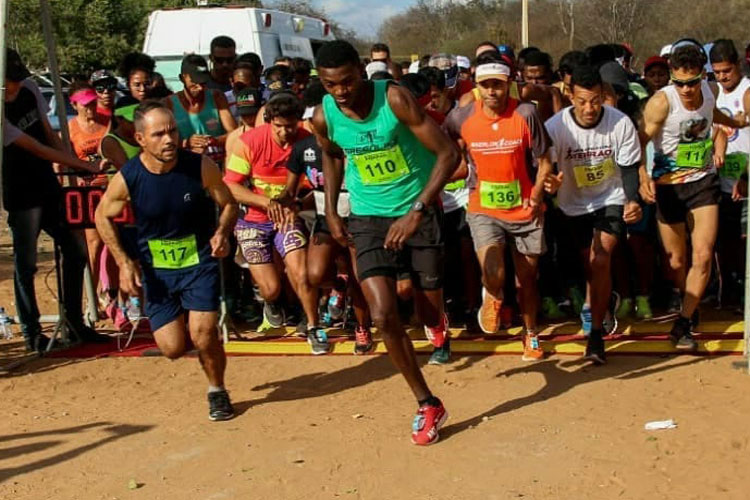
(86, 146)
(502, 151)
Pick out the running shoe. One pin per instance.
(550, 309)
(625, 309)
(675, 301)
(489, 314)
(336, 304)
(441, 355)
(427, 422)
(362, 340)
(439, 334)
(681, 336)
(595, 348)
(219, 406)
(532, 349)
(586, 320)
(695, 319)
(318, 340)
(577, 300)
(610, 319)
(643, 307)
(273, 314)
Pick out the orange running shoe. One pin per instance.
(532, 349)
(489, 314)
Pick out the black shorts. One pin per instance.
(455, 225)
(421, 259)
(320, 226)
(674, 201)
(580, 228)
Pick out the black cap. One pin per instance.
(197, 67)
(249, 101)
(615, 75)
(15, 70)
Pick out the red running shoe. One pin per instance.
(427, 422)
(438, 334)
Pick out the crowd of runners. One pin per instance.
(484, 191)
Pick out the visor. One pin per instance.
(83, 97)
(492, 71)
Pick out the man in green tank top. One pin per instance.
(397, 162)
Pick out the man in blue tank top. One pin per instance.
(179, 242)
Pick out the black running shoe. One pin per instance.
(682, 336)
(273, 314)
(595, 348)
(219, 406)
(318, 340)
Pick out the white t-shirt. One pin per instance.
(738, 148)
(590, 157)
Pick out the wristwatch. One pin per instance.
(418, 206)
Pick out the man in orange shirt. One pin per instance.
(501, 136)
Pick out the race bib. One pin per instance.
(694, 154)
(269, 189)
(174, 254)
(344, 208)
(381, 167)
(735, 164)
(504, 195)
(593, 175)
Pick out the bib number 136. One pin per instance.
(503, 195)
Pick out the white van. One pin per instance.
(172, 33)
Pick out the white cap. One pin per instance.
(666, 50)
(414, 67)
(463, 62)
(375, 67)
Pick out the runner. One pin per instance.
(397, 162)
(381, 52)
(683, 183)
(222, 57)
(501, 136)
(307, 160)
(598, 154)
(256, 174)
(243, 77)
(248, 105)
(202, 115)
(105, 84)
(179, 243)
(656, 74)
(734, 98)
(32, 197)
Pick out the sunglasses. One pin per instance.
(105, 87)
(686, 83)
(223, 60)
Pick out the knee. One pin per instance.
(205, 338)
(383, 320)
(404, 289)
(298, 276)
(315, 275)
(702, 258)
(172, 350)
(676, 260)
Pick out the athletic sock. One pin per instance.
(213, 388)
(430, 401)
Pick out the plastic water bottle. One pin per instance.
(6, 332)
(133, 309)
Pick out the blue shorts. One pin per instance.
(169, 294)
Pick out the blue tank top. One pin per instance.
(174, 216)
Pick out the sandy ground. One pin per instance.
(338, 427)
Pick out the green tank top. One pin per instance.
(129, 149)
(387, 167)
(206, 122)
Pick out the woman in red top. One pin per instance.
(87, 129)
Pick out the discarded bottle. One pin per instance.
(133, 309)
(6, 331)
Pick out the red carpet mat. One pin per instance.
(138, 347)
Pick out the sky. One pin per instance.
(364, 16)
